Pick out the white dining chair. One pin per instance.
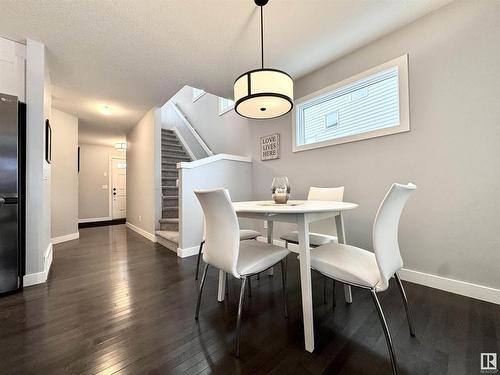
(335, 194)
(225, 251)
(363, 269)
(245, 235)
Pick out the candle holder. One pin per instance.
(280, 190)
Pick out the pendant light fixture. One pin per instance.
(263, 93)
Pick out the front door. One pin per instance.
(119, 188)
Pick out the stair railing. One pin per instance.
(192, 129)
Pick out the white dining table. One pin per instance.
(301, 213)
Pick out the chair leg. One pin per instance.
(238, 320)
(198, 260)
(333, 295)
(201, 290)
(249, 286)
(407, 307)
(325, 300)
(283, 281)
(387, 334)
(227, 284)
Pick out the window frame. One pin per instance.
(199, 95)
(404, 104)
(225, 110)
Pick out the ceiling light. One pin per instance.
(263, 93)
(106, 110)
(121, 146)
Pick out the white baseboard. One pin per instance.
(68, 237)
(481, 292)
(94, 219)
(40, 277)
(463, 288)
(188, 251)
(142, 232)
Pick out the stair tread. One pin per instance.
(170, 235)
(172, 208)
(170, 196)
(170, 220)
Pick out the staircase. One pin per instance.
(172, 153)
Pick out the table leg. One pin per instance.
(222, 286)
(305, 281)
(270, 223)
(339, 223)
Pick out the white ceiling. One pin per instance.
(135, 54)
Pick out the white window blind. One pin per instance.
(368, 105)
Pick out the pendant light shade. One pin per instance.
(263, 93)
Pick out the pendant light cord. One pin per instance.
(262, 36)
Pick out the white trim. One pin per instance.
(212, 159)
(110, 181)
(184, 143)
(142, 232)
(191, 129)
(463, 288)
(187, 252)
(94, 219)
(404, 104)
(65, 238)
(40, 277)
(481, 292)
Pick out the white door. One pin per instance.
(119, 188)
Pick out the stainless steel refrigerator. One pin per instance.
(12, 192)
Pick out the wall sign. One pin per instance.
(270, 147)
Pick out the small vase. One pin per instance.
(280, 190)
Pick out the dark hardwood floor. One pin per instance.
(117, 303)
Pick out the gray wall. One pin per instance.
(170, 119)
(141, 172)
(64, 182)
(450, 226)
(236, 176)
(228, 133)
(94, 172)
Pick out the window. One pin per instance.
(197, 93)
(371, 104)
(332, 119)
(225, 105)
